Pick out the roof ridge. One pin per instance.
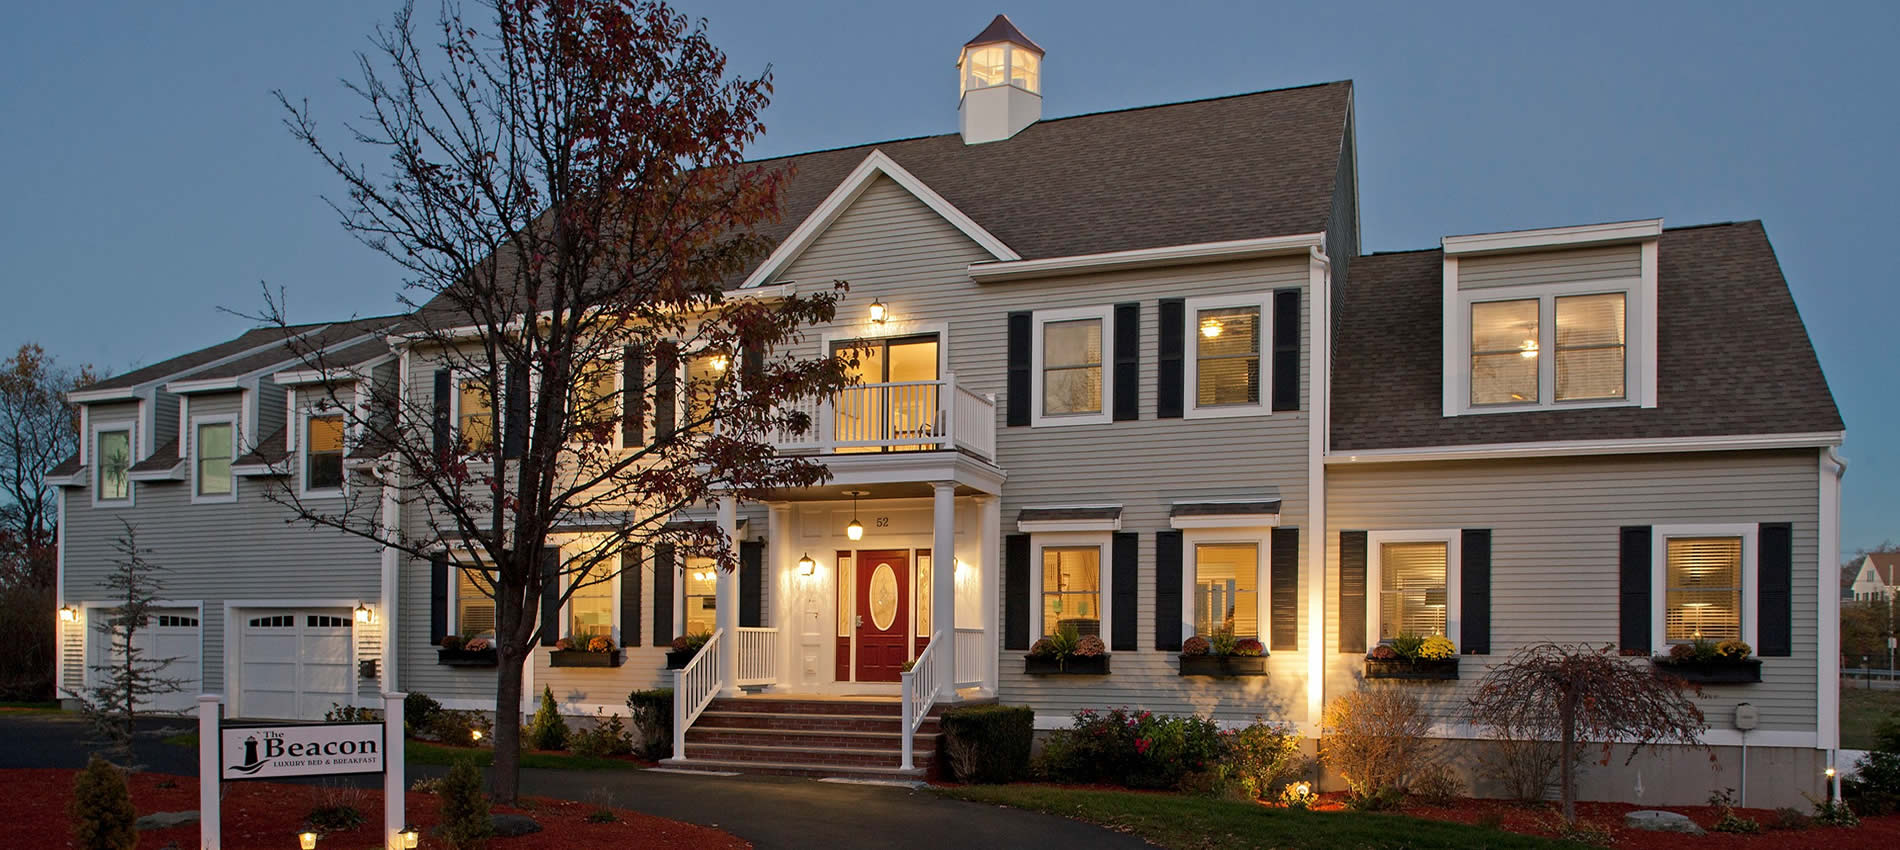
(1709, 225)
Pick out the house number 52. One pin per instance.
(883, 522)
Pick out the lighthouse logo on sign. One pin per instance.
(270, 751)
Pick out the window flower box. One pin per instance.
(467, 657)
(1074, 665)
(676, 659)
(1223, 666)
(1420, 669)
(1724, 671)
(583, 658)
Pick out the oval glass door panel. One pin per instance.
(883, 597)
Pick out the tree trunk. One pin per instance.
(511, 651)
(1567, 711)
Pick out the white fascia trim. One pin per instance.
(97, 396)
(1553, 237)
(784, 289)
(205, 385)
(77, 479)
(1566, 448)
(1173, 255)
(848, 190)
(356, 372)
(1036, 526)
(248, 379)
(261, 470)
(1749, 533)
(1225, 521)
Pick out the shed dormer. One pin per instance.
(999, 83)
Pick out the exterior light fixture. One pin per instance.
(1210, 328)
(362, 613)
(855, 530)
(877, 315)
(1829, 772)
(307, 840)
(720, 362)
(807, 566)
(411, 837)
(475, 734)
(68, 614)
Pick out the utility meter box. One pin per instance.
(1746, 717)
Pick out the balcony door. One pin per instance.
(893, 406)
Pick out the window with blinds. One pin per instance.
(1504, 350)
(1072, 367)
(1704, 595)
(474, 604)
(590, 609)
(1227, 589)
(1591, 346)
(1072, 589)
(1411, 589)
(1227, 352)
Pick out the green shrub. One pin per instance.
(547, 731)
(101, 809)
(1875, 788)
(457, 728)
(607, 737)
(417, 711)
(988, 743)
(465, 824)
(650, 713)
(1138, 749)
(339, 713)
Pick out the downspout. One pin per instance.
(1827, 720)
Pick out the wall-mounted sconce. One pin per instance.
(68, 614)
(877, 311)
(363, 614)
(807, 566)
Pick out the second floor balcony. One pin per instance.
(899, 416)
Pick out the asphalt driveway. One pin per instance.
(774, 813)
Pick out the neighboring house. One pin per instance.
(1132, 374)
(1878, 577)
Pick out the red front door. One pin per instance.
(883, 606)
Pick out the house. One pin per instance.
(1878, 577)
(1131, 375)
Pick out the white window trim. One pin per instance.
(98, 467)
(1190, 389)
(1659, 576)
(1259, 536)
(1065, 540)
(1454, 557)
(1041, 318)
(1639, 338)
(195, 459)
(302, 444)
(613, 591)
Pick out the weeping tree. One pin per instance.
(564, 187)
(1582, 694)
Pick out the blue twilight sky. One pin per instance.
(147, 180)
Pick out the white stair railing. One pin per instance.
(694, 687)
(970, 663)
(758, 656)
(920, 693)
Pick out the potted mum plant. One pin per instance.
(596, 651)
(1067, 653)
(1412, 657)
(1222, 655)
(1707, 662)
(684, 648)
(458, 651)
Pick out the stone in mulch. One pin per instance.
(1659, 821)
(165, 820)
(513, 826)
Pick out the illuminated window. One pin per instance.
(1704, 593)
(1411, 589)
(1227, 588)
(1504, 352)
(983, 67)
(323, 453)
(474, 604)
(922, 593)
(1227, 356)
(1072, 589)
(847, 601)
(1025, 70)
(1591, 341)
(214, 458)
(702, 386)
(701, 593)
(590, 609)
(594, 407)
(475, 416)
(114, 450)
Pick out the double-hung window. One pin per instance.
(474, 603)
(1072, 589)
(1413, 584)
(1229, 364)
(1703, 590)
(113, 450)
(323, 452)
(1227, 589)
(590, 607)
(702, 373)
(215, 445)
(475, 415)
(1068, 363)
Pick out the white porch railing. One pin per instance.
(921, 415)
(919, 693)
(971, 668)
(694, 687)
(758, 656)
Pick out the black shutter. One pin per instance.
(633, 387)
(514, 432)
(1016, 392)
(1128, 363)
(1286, 349)
(1168, 590)
(1774, 566)
(665, 392)
(663, 568)
(1352, 592)
(444, 391)
(1474, 592)
(751, 582)
(1633, 599)
(1283, 579)
(438, 597)
(1171, 364)
(1016, 591)
(630, 595)
(751, 367)
(550, 596)
(1127, 590)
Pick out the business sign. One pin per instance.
(313, 749)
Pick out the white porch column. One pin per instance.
(943, 586)
(989, 576)
(726, 600)
(786, 583)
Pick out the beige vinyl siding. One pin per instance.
(1554, 551)
(893, 248)
(1615, 262)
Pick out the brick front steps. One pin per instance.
(859, 737)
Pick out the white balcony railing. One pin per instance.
(971, 665)
(758, 656)
(899, 416)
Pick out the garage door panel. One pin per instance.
(296, 663)
(171, 633)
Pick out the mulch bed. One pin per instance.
(1881, 832)
(269, 815)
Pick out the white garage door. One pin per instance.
(293, 664)
(171, 633)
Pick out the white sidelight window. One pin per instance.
(700, 589)
(1067, 366)
(113, 448)
(921, 594)
(214, 446)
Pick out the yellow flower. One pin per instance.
(1437, 648)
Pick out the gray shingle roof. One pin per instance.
(269, 450)
(1049, 514)
(248, 340)
(307, 345)
(1271, 506)
(1734, 357)
(163, 458)
(66, 467)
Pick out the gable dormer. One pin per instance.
(1551, 319)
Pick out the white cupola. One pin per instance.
(999, 80)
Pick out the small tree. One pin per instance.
(101, 809)
(1587, 694)
(1376, 739)
(128, 679)
(547, 731)
(465, 822)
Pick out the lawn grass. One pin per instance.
(1183, 822)
(48, 707)
(1862, 710)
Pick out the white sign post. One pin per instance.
(395, 816)
(271, 751)
(209, 828)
